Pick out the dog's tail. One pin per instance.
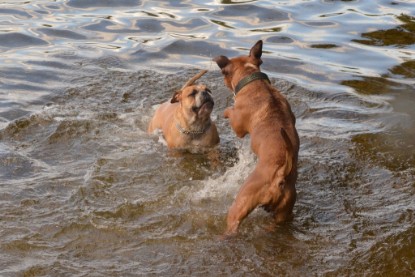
(288, 165)
(281, 173)
(194, 79)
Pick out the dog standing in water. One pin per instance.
(264, 113)
(185, 119)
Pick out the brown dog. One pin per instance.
(185, 119)
(264, 113)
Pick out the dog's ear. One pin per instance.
(256, 50)
(177, 96)
(222, 61)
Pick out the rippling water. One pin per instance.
(84, 191)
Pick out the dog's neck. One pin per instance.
(190, 132)
(248, 79)
(197, 128)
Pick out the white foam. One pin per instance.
(230, 182)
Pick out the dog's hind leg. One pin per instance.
(251, 194)
(283, 212)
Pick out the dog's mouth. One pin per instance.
(206, 106)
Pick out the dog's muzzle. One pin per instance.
(204, 100)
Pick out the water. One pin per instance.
(84, 191)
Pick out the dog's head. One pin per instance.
(195, 101)
(237, 68)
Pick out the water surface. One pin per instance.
(85, 191)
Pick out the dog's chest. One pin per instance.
(199, 140)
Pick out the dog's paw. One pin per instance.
(270, 228)
(227, 236)
(227, 112)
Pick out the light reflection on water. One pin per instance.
(84, 190)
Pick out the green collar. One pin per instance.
(254, 76)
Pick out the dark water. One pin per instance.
(84, 191)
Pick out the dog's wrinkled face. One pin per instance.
(235, 69)
(196, 101)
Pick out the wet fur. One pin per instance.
(264, 113)
(184, 108)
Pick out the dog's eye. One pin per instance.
(193, 93)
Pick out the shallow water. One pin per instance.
(84, 191)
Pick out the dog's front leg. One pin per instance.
(228, 112)
(237, 123)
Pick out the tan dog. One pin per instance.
(264, 113)
(185, 119)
